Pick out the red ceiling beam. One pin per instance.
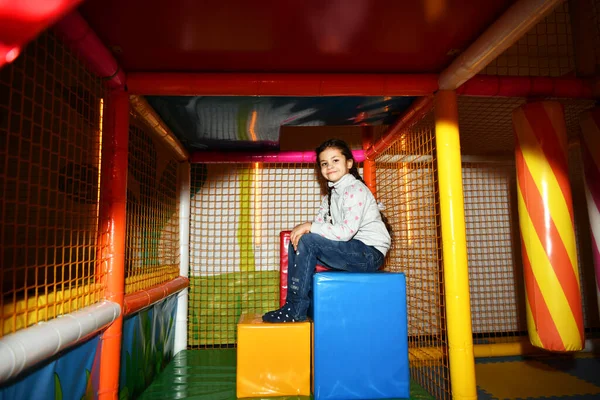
(23, 20)
(526, 86)
(271, 84)
(245, 84)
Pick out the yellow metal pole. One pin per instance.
(454, 247)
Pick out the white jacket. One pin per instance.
(354, 215)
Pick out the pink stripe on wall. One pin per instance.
(215, 157)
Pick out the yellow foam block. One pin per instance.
(273, 359)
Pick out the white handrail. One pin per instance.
(181, 327)
(30, 346)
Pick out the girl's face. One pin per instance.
(333, 164)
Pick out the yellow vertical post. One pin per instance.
(454, 247)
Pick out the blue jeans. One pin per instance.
(352, 256)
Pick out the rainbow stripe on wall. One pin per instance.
(553, 295)
(590, 153)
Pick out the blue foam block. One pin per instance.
(360, 336)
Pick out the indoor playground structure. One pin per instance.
(154, 156)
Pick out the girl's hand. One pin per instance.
(297, 232)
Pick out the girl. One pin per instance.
(347, 234)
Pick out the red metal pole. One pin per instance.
(143, 298)
(245, 84)
(113, 204)
(369, 165)
(22, 21)
(527, 86)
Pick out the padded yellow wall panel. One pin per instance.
(273, 359)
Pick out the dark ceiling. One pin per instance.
(254, 122)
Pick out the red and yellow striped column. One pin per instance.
(553, 296)
(590, 154)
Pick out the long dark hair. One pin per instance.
(346, 152)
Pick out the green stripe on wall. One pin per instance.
(216, 303)
(242, 121)
(244, 231)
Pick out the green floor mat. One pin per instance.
(210, 375)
